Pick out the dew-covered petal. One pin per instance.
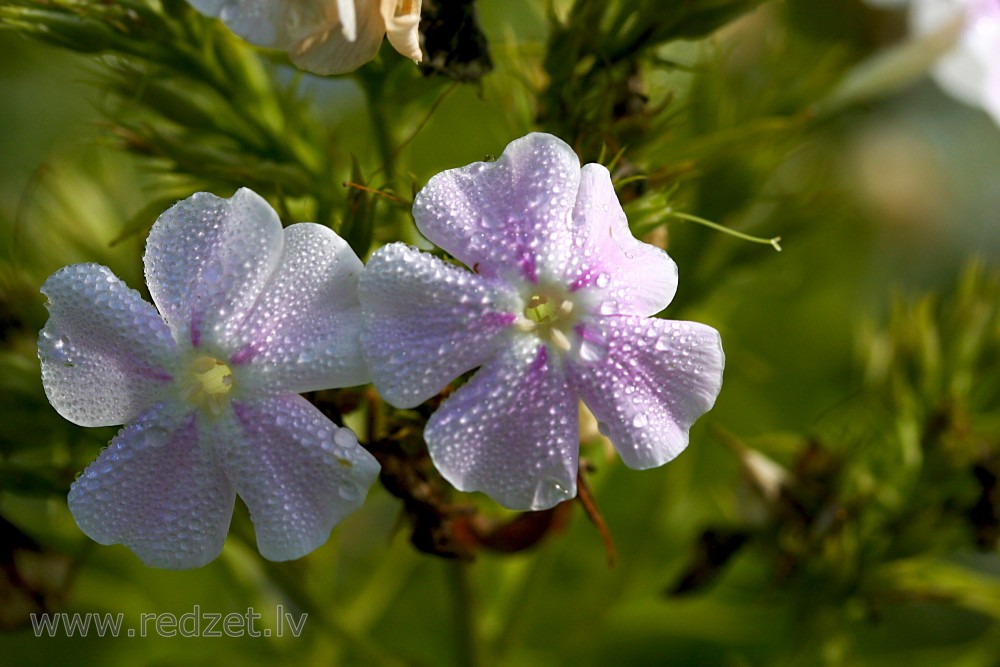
(511, 431)
(105, 353)
(426, 321)
(157, 490)
(401, 18)
(616, 272)
(511, 216)
(297, 472)
(207, 259)
(647, 381)
(303, 333)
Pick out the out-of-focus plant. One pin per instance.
(887, 503)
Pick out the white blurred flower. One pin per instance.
(322, 36)
(970, 71)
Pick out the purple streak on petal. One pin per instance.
(244, 354)
(243, 414)
(498, 319)
(588, 334)
(529, 266)
(155, 374)
(538, 365)
(195, 329)
(585, 279)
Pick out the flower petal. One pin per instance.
(296, 470)
(338, 51)
(207, 259)
(508, 216)
(303, 332)
(157, 490)
(623, 276)
(511, 432)
(401, 21)
(963, 71)
(281, 24)
(647, 381)
(425, 322)
(105, 353)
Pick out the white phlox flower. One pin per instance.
(323, 36)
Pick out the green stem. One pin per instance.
(384, 141)
(466, 638)
(773, 242)
(291, 586)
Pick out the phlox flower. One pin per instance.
(249, 315)
(556, 308)
(970, 71)
(322, 36)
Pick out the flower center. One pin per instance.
(209, 382)
(550, 317)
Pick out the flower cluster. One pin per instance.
(322, 36)
(557, 308)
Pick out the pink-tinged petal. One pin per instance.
(303, 333)
(157, 490)
(425, 322)
(511, 432)
(207, 259)
(511, 216)
(105, 353)
(297, 472)
(619, 274)
(647, 381)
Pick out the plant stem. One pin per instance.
(291, 586)
(466, 638)
(773, 242)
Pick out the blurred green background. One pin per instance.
(838, 506)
